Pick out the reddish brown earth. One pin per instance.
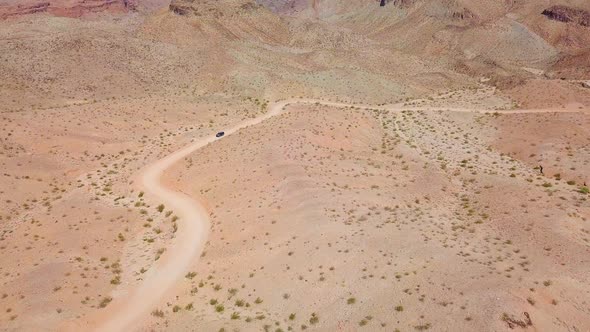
(540, 93)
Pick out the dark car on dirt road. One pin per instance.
(220, 134)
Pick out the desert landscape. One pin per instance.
(289, 165)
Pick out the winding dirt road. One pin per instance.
(193, 225)
(127, 310)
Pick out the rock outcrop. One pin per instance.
(285, 6)
(7, 10)
(216, 9)
(67, 8)
(568, 15)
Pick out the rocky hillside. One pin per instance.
(315, 47)
(477, 37)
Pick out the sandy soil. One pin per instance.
(283, 188)
(401, 134)
(372, 125)
(195, 222)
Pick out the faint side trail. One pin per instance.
(126, 311)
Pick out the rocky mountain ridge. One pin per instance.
(67, 8)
